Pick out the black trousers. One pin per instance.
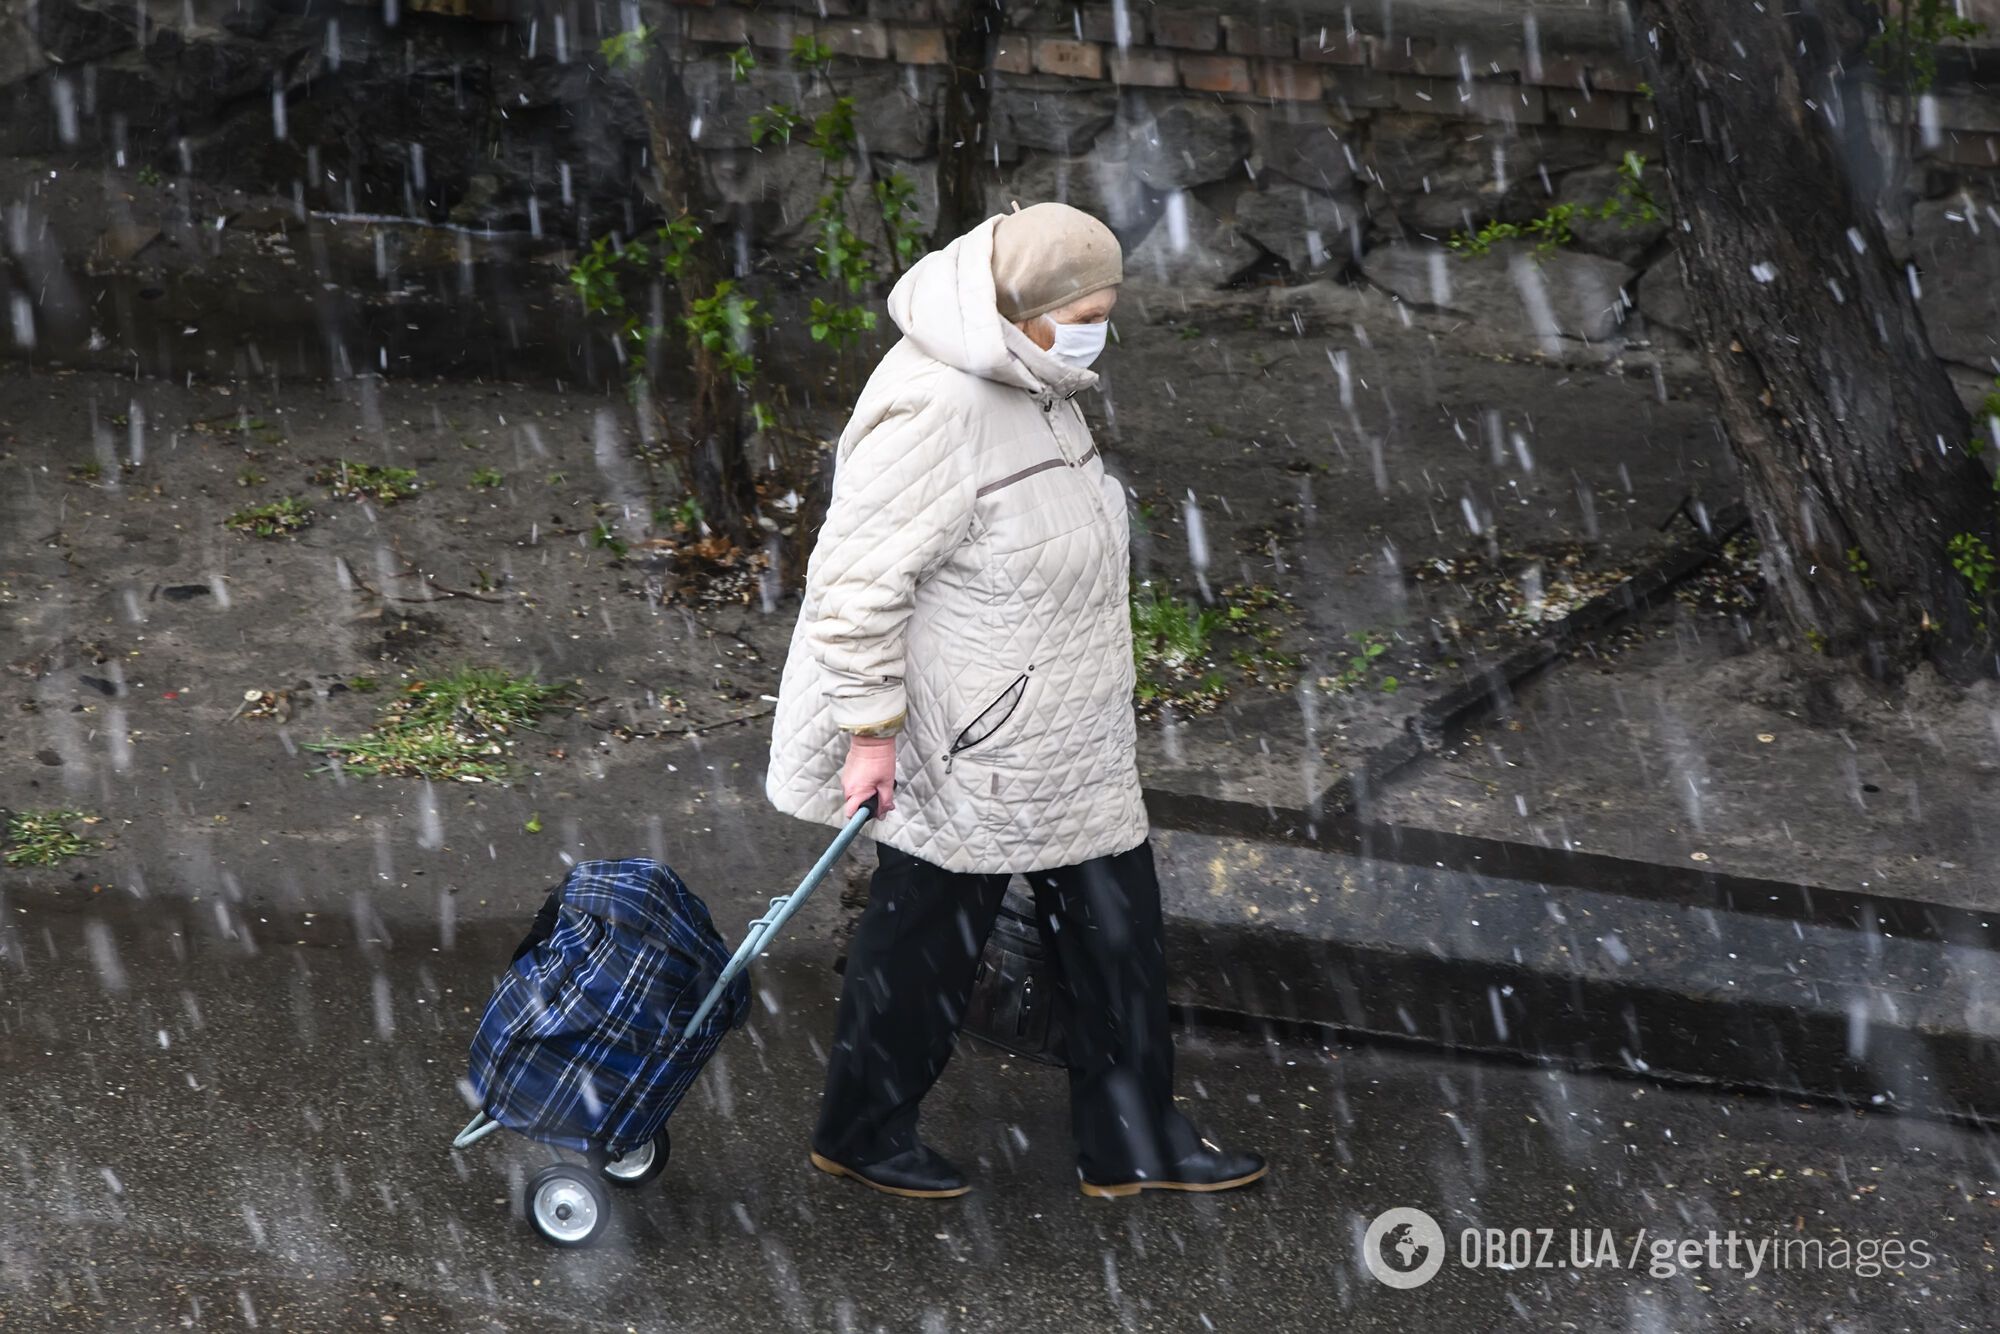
(909, 976)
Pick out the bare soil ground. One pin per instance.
(119, 565)
(1385, 474)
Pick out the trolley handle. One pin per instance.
(765, 928)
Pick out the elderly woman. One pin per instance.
(964, 652)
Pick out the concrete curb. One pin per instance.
(1318, 943)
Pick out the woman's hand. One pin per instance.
(870, 768)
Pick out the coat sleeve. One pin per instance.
(902, 501)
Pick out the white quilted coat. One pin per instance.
(968, 594)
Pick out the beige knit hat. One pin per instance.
(1048, 255)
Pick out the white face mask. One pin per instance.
(1079, 344)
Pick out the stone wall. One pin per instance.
(1266, 142)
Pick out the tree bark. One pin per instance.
(717, 467)
(1848, 432)
(965, 145)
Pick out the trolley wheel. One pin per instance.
(567, 1206)
(635, 1167)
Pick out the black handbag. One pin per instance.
(1016, 992)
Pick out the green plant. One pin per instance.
(741, 62)
(451, 726)
(1165, 633)
(832, 320)
(810, 53)
(44, 838)
(776, 121)
(1988, 417)
(351, 481)
(833, 135)
(87, 472)
(149, 175)
(896, 197)
(487, 477)
(1857, 565)
(1370, 645)
(603, 538)
(721, 323)
(1248, 610)
(686, 515)
(1631, 203)
(1973, 560)
(626, 50)
(843, 258)
(597, 275)
(249, 477)
(277, 518)
(1905, 51)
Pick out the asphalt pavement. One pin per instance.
(220, 1118)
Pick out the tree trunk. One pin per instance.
(717, 466)
(1849, 435)
(965, 145)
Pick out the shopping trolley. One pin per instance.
(592, 1058)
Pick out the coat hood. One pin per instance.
(947, 306)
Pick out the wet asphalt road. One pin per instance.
(208, 1124)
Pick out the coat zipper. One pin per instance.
(1018, 688)
(1049, 420)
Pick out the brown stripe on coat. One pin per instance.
(1012, 478)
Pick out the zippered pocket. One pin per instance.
(990, 719)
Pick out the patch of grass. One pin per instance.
(1632, 203)
(1172, 646)
(1165, 633)
(487, 477)
(458, 725)
(277, 518)
(249, 477)
(87, 472)
(351, 480)
(44, 838)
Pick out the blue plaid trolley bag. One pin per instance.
(606, 1014)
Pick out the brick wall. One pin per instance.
(1269, 58)
(1261, 58)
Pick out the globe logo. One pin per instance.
(1404, 1248)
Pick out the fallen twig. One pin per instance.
(1261, 370)
(754, 650)
(412, 572)
(633, 733)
